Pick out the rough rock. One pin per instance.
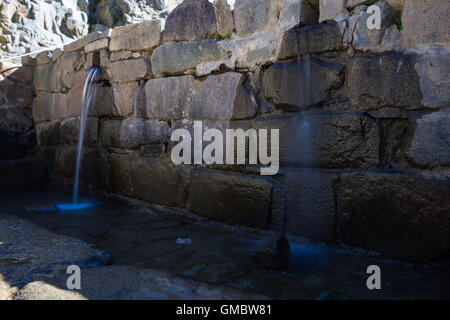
(202, 22)
(181, 57)
(41, 253)
(220, 97)
(15, 93)
(97, 45)
(388, 79)
(136, 37)
(50, 106)
(233, 198)
(301, 84)
(402, 216)
(310, 39)
(429, 144)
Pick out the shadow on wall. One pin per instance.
(21, 168)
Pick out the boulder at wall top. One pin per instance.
(141, 36)
(403, 216)
(191, 20)
(426, 22)
(41, 253)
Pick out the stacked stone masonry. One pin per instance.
(364, 116)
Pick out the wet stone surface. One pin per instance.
(215, 263)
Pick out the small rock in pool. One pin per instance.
(43, 208)
(273, 253)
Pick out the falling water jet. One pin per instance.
(90, 89)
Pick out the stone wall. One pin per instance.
(21, 168)
(363, 117)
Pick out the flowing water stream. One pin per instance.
(89, 92)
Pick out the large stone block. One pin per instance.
(232, 198)
(426, 22)
(50, 106)
(155, 181)
(301, 84)
(325, 140)
(218, 97)
(383, 80)
(141, 36)
(430, 144)
(201, 17)
(311, 203)
(180, 57)
(47, 78)
(130, 70)
(254, 15)
(310, 39)
(401, 216)
(224, 17)
(73, 79)
(16, 146)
